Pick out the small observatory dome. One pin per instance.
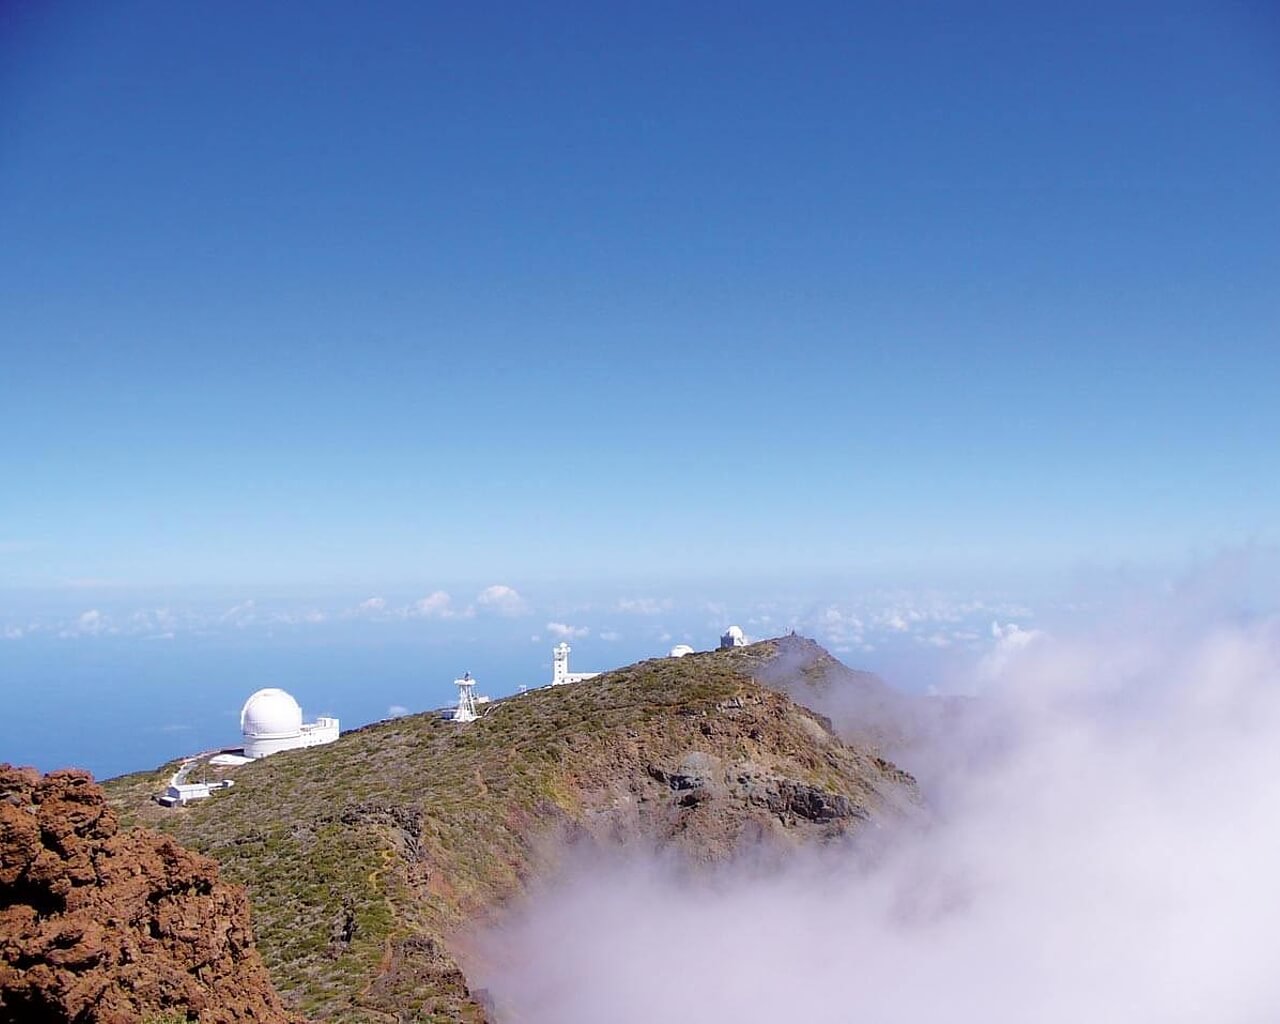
(270, 712)
(733, 637)
(680, 650)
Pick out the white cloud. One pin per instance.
(895, 621)
(567, 632)
(1012, 635)
(645, 605)
(90, 623)
(840, 627)
(437, 605)
(1010, 640)
(310, 617)
(397, 711)
(503, 600)
(242, 614)
(610, 635)
(375, 608)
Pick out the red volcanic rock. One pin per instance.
(103, 927)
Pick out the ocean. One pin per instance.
(122, 704)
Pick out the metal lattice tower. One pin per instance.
(466, 709)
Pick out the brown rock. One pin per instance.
(103, 927)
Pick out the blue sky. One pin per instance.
(317, 294)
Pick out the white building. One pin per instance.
(733, 637)
(271, 721)
(183, 793)
(680, 650)
(225, 760)
(560, 673)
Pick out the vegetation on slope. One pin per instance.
(362, 857)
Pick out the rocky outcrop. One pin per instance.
(100, 927)
(699, 779)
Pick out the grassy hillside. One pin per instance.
(362, 857)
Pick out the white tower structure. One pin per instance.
(466, 709)
(560, 673)
(560, 664)
(271, 721)
(733, 637)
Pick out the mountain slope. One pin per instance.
(861, 706)
(363, 857)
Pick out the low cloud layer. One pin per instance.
(1101, 846)
(887, 623)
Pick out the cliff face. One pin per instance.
(103, 927)
(365, 858)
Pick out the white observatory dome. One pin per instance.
(269, 713)
(680, 650)
(733, 637)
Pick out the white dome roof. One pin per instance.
(734, 631)
(271, 712)
(680, 650)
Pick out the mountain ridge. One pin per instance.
(363, 857)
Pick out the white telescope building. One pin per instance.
(733, 637)
(560, 673)
(271, 721)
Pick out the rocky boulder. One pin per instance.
(103, 927)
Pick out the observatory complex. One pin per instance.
(271, 721)
(469, 706)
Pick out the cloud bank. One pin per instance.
(1101, 846)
